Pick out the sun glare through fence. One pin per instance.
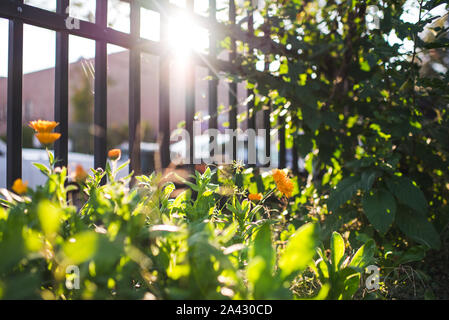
(81, 102)
(119, 15)
(150, 22)
(118, 101)
(150, 108)
(49, 5)
(38, 96)
(180, 81)
(83, 9)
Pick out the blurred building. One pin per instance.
(38, 92)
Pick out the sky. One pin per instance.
(39, 44)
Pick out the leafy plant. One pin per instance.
(343, 272)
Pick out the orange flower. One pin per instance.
(47, 137)
(114, 154)
(43, 126)
(255, 196)
(80, 175)
(19, 186)
(283, 183)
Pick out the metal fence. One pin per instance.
(19, 14)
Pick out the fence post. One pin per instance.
(101, 78)
(213, 82)
(282, 149)
(251, 108)
(233, 85)
(61, 88)
(267, 109)
(190, 95)
(164, 88)
(14, 104)
(134, 91)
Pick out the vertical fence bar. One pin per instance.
(190, 95)
(267, 109)
(213, 82)
(267, 127)
(62, 88)
(134, 91)
(282, 150)
(164, 88)
(295, 159)
(100, 108)
(14, 101)
(250, 107)
(233, 85)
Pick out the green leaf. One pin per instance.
(367, 180)
(364, 256)
(415, 253)
(312, 117)
(82, 247)
(51, 157)
(380, 209)
(49, 217)
(300, 250)
(263, 245)
(337, 250)
(122, 166)
(407, 193)
(344, 191)
(417, 227)
(351, 285)
(260, 267)
(42, 168)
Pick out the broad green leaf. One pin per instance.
(49, 217)
(300, 250)
(351, 285)
(322, 269)
(261, 263)
(82, 247)
(256, 269)
(407, 193)
(364, 256)
(417, 227)
(263, 245)
(344, 191)
(415, 253)
(367, 180)
(380, 209)
(337, 250)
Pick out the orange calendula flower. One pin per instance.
(255, 196)
(47, 137)
(80, 175)
(283, 183)
(114, 154)
(43, 126)
(19, 186)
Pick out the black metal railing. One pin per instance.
(19, 14)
